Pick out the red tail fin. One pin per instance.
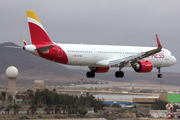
(37, 32)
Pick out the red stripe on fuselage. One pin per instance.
(40, 39)
(55, 54)
(38, 35)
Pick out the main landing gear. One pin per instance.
(90, 74)
(119, 74)
(159, 73)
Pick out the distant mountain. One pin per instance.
(26, 61)
(32, 67)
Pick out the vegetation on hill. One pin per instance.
(51, 101)
(159, 105)
(53, 98)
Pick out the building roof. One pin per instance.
(39, 81)
(118, 102)
(123, 96)
(173, 98)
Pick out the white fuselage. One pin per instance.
(97, 55)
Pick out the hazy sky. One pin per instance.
(115, 22)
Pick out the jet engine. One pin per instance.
(143, 66)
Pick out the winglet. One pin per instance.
(24, 42)
(158, 42)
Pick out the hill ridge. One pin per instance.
(32, 67)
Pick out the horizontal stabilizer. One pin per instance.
(14, 47)
(44, 47)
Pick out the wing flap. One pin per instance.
(119, 62)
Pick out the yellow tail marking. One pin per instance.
(32, 14)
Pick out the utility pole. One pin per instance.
(161, 86)
(81, 85)
(136, 110)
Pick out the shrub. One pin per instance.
(82, 111)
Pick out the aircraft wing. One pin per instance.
(134, 58)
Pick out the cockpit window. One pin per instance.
(171, 54)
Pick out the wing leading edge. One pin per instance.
(135, 58)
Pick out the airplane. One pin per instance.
(98, 58)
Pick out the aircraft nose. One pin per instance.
(175, 60)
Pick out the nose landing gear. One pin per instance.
(159, 73)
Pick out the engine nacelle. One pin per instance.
(31, 49)
(143, 66)
(101, 69)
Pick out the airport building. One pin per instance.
(127, 100)
(144, 101)
(39, 84)
(170, 98)
(163, 113)
(174, 99)
(140, 100)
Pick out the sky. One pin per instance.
(107, 22)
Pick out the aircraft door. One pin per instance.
(95, 53)
(59, 52)
(121, 53)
